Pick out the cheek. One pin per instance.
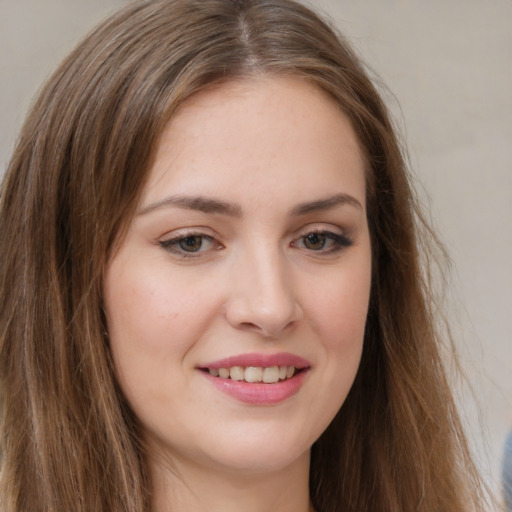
(339, 310)
(152, 327)
(144, 322)
(337, 316)
(149, 310)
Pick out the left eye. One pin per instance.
(315, 241)
(322, 241)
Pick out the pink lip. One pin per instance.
(259, 393)
(263, 360)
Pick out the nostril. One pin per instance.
(248, 325)
(263, 310)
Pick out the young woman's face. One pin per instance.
(236, 304)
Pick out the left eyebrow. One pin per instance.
(326, 204)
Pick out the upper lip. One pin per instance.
(259, 360)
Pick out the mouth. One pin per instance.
(258, 379)
(255, 374)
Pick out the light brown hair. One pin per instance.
(69, 440)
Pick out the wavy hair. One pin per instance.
(68, 438)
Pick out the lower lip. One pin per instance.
(259, 393)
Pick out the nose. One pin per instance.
(262, 296)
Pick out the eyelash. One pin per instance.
(173, 244)
(338, 241)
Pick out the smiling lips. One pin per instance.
(268, 375)
(258, 379)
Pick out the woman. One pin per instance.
(213, 296)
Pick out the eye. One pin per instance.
(315, 241)
(190, 244)
(325, 242)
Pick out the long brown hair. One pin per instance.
(69, 441)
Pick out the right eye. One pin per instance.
(190, 244)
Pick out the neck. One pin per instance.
(192, 488)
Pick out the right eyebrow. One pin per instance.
(199, 203)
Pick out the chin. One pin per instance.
(252, 453)
(258, 461)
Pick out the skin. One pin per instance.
(257, 284)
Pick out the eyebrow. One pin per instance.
(326, 204)
(210, 205)
(199, 203)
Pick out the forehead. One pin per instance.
(274, 131)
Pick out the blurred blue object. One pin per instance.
(507, 473)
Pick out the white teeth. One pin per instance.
(268, 375)
(237, 373)
(271, 375)
(253, 374)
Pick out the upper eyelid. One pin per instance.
(321, 227)
(184, 232)
(328, 233)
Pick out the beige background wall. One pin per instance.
(449, 64)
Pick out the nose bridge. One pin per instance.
(263, 297)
